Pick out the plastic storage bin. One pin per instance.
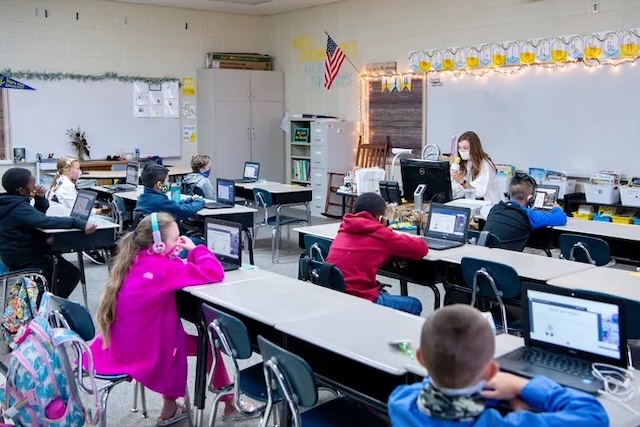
(630, 196)
(636, 221)
(602, 193)
(603, 218)
(622, 219)
(577, 215)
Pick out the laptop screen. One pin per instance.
(447, 222)
(251, 170)
(225, 191)
(574, 323)
(223, 240)
(545, 197)
(83, 204)
(132, 173)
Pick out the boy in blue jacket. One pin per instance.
(512, 222)
(457, 347)
(21, 244)
(155, 179)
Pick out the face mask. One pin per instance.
(76, 174)
(165, 188)
(465, 155)
(206, 173)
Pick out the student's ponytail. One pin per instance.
(62, 164)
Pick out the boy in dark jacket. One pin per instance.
(364, 244)
(21, 244)
(513, 221)
(155, 179)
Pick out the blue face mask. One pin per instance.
(206, 173)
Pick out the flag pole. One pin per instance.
(346, 57)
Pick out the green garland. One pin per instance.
(44, 75)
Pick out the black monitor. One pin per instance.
(434, 174)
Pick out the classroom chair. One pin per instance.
(320, 273)
(494, 281)
(264, 200)
(191, 190)
(227, 334)
(73, 316)
(586, 249)
(483, 238)
(9, 277)
(320, 244)
(290, 378)
(367, 156)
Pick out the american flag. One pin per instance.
(332, 63)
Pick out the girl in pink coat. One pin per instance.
(142, 334)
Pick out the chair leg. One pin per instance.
(143, 401)
(274, 246)
(103, 406)
(135, 397)
(187, 406)
(214, 409)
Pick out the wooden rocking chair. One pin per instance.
(367, 156)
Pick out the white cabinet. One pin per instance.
(239, 114)
(330, 147)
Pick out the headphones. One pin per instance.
(158, 246)
(519, 177)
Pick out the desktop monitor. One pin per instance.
(434, 174)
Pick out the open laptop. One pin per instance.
(565, 331)
(250, 174)
(132, 179)
(224, 240)
(545, 197)
(83, 204)
(225, 195)
(447, 226)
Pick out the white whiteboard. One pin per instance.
(577, 121)
(40, 118)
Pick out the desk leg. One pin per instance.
(83, 280)
(54, 275)
(404, 288)
(308, 208)
(201, 375)
(344, 205)
(250, 243)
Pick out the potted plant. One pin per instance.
(79, 142)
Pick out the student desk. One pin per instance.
(618, 415)
(282, 194)
(64, 241)
(346, 195)
(238, 213)
(620, 283)
(174, 171)
(261, 300)
(349, 348)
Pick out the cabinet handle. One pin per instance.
(253, 130)
(253, 93)
(248, 94)
(249, 133)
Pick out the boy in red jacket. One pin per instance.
(364, 244)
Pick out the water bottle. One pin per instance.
(136, 153)
(175, 192)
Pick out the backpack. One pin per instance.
(20, 307)
(41, 388)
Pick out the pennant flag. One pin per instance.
(334, 59)
(7, 83)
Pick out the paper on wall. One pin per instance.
(140, 111)
(171, 108)
(188, 86)
(155, 98)
(141, 98)
(156, 111)
(189, 110)
(189, 133)
(170, 90)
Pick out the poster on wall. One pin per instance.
(156, 99)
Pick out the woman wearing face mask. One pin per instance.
(199, 179)
(64, 184)
(477, 171)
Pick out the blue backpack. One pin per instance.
(41, 388)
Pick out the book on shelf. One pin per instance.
(300, 170)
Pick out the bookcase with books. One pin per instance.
(300, 151)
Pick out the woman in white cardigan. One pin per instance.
(64, 184)
(477, 171)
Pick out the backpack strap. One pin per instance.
(304, 266)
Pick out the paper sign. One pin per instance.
(155, 98)
(189, 110)
(188, 86)
(189, 133)
(171, 108)
(140, 111)
(170, 90)
(156, 111)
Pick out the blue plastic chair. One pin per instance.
(495, 281)
(586, 249)
(291, 377)
(229, 335)
(322, 245)
(483, 238)
(321, 273)
(264, 200)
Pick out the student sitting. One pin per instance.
(364, 244)
(155, 179)
(513, 221)
(21, 244)
(141, 331)
(464, 383)
(64, 183)
(201, 166)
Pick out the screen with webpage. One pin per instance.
(250, 171)
(132, 175)
(545, 198)
(225, 192)
(447, 221)
(575, 323)
(223, 240)
(83, 205)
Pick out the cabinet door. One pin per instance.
(267, 145)
(232, 85)
(233, 130)
(267, 86)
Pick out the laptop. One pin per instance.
(565, 331)
(132, 179)
(545, 197)
(83, 204)
(447, 226)
(224, 240)
(225, 195)
(250, 174)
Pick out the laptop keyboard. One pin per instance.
(226, 266)
(433, 241)
(557, 362)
